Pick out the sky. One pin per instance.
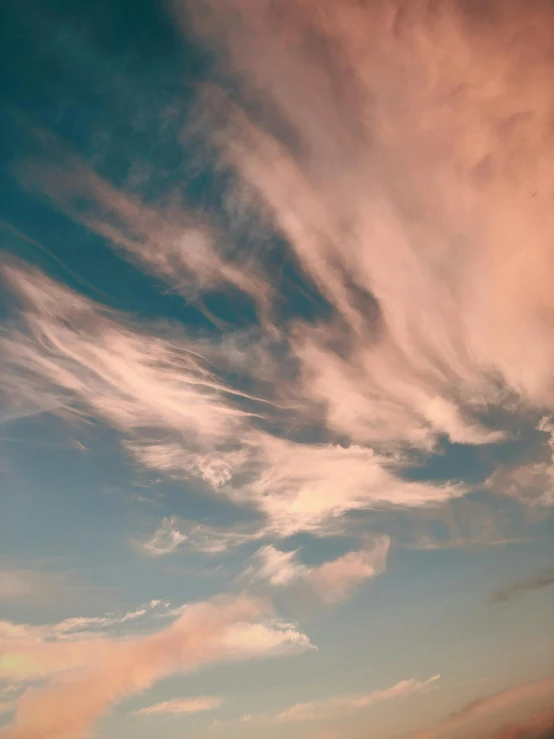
(276, 369)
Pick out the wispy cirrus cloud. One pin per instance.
(177, 416)
(180, 706)
(175, 533)
(75, 628)
(336, 706)
(169, 241)
(165, 540)
(405, 250)
(412, 350)
(87, 675)
(402, 153)
(403, 227)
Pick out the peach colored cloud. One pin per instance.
(89, 675)
(179, 706)
(177, 416)
(406, 188)
(485, 715)
(330, 581)
(414, 190)
(406, 206)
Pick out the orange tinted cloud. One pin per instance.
(414, 189)
(90, 674)
(330, 581)
(480, 717)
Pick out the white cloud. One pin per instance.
(307, 486)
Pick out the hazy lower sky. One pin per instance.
(277, 369)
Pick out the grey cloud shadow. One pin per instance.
(523, 586)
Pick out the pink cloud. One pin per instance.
(483, 716)
(89, 675)
(406, 205)
(178, 417)
(331, 581)
(414, 181)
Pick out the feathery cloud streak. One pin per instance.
(344, 704)
(182, 705)
(180, 418)
(406, 186)
(406, 206)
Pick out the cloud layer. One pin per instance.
(479, 716)
(397, 159)
(178, 417)
(89, 674)
(336, 706)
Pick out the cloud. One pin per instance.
(89, 675)
(69, 629)
(332, 706)
(176, 416)
(132, 380)
(168, 241)
(305, 486)
(401, 229)
(531, 483)
(166, 539)
(405, 179)
(476, 718)
(182, 705)
(523, 586)
(540, 726)
(331, 581)
(174, 533)
(410, 232)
